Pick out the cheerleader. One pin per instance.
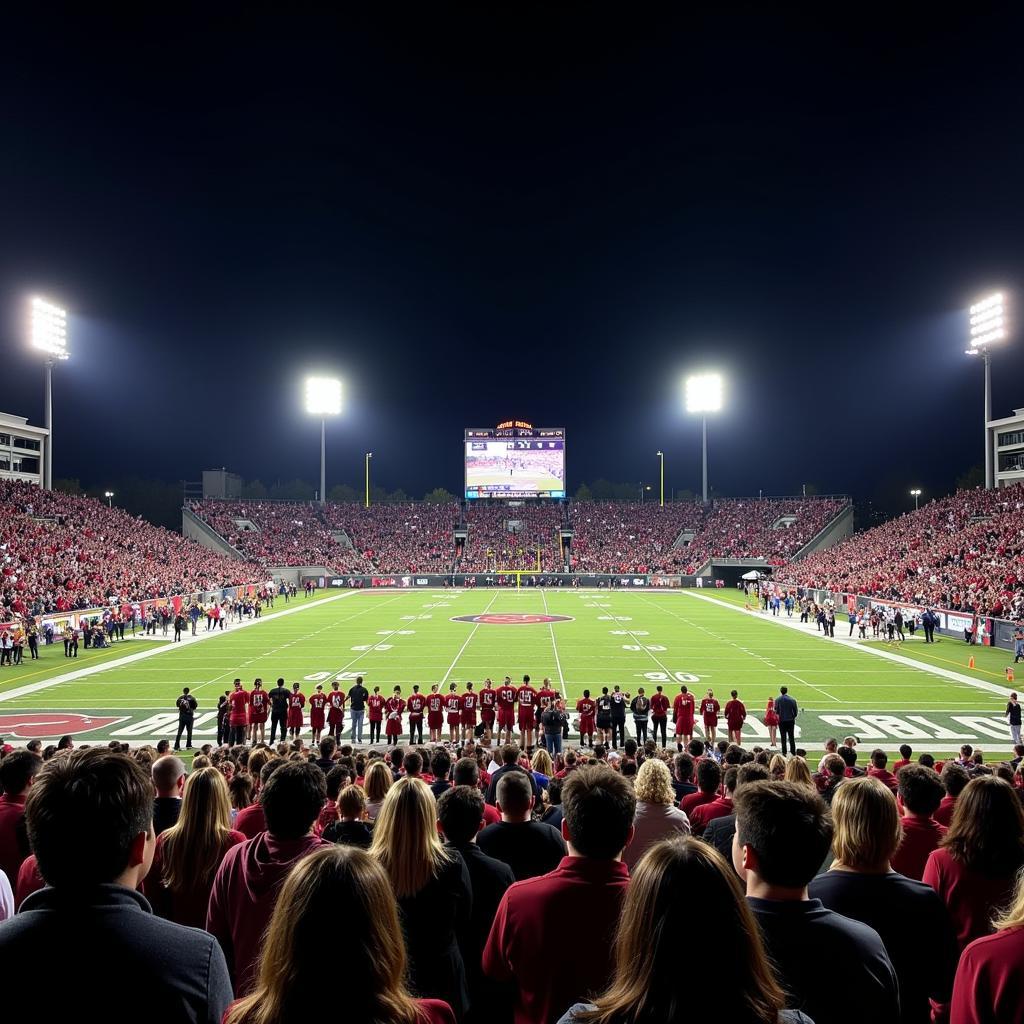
(393, 709)
(771, 722)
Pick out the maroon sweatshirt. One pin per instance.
(244, 891)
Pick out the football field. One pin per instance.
(580, 639)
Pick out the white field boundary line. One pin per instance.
(67, 677)
(745, 650)
(854, 645)
(472, 633)
(554, 647)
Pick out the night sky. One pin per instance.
(548, 213)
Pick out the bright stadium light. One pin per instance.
(323, 399)
(48, 332)
(661, 459)
(988, 325)
(915, 494)
(704, 395)
(109, 496)
(369, 455)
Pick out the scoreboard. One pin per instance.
(515, 460)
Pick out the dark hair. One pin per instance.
(849, 756)
(17, 769)
(695, 748)
(749, 772)
(684, 767)
(441, 763)
(927, 760)
(787, 826)
(513, 792)
(920, 789)
(599, 806)
(906, 750)
(460, 811)
(327, 746)
(413, 763)
(709, 775)
(101, 798)
(397, 758)
(65, 743)
(292, 799)
(954, 777)
(987, 830)
(509, 753)
(879, 758)
(466, 773)
(336, 779)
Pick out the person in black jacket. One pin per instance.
(460, 814)
(105, 800)
(279, 710)
(528, 847)
(186, 705)
(351, 828)
(223, 710)
(510, 763)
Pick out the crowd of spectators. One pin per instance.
(60, 552)
(501, 537)
(464, 882)
(964, 552)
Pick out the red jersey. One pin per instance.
(375, 702)
(469, 701)
(239, 701)
(545, 697)
(297, 701)
(417, 702)
(735, 714)
(453, 704)
(337, 699)
(435, 703)
(258, 705)
(394, 707)
(709, 708)
(586, 706)
(318, 701)
(527, 697)
(488, 697)
(506, 696)
(659, 706)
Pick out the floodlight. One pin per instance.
(323, 396)
(49, 328)
(704, 393)
(988, 324)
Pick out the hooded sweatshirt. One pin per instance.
(244, 892)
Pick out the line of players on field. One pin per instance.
(242, 714)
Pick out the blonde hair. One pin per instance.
(405, 838)
(777, 766)
(867, 824)
(542, 762)
(193, 846)
(350, 882)
(1013, 915)
(798, 771)
(377, 782)
(351, 802)
(654, 783)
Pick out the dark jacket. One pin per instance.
(786, 708)
(178, 974)
(492, 789)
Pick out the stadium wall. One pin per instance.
(201, 532)
(838, 529)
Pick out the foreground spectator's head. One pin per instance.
(169, 776)
(654, 783)
(783, 833)
(514, 796)
(89, 817)
(441, 763)
(377, 782)
(674, 879)
(509, 753)
(465, 773)
(954, 778)
(460, 813)
(709, 776)
(598, 806)
(352, 804)
(867, 824)
(292, 799)
(987, 830)
(350, 882)
(920, 789)
(17, 770)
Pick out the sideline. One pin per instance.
(856, 645)
(67, 677)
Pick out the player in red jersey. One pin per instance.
(435, 714)
(416, 705)
(336, 710)
(259, 706)
(683, 709)
(469, 705)
(488, 707)
(375, 713)
(317, 712)
(526, 695)
(735, 716)
(238, 699)
(545, 696)
(296, 702)
(586, 707)
(393, 710)
(659, 717)
(709, 708)
(453, 705)
(506, 710)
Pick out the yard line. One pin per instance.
(472, 633)
(554, 646)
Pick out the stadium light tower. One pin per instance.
(323, 399)
(661, 459)
(704, 395)
(49, 332)
(915, 494)
(369, 455)
(109, 496)
(988, 326)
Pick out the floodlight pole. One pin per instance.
(704, 431)
(661, 459)
(48, 423)
(988, 416)
(369, 455)
(323, 460)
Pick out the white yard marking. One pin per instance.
(554, 646)
(472, 633)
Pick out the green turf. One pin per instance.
(639, 638)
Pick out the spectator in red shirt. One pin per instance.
(709, 778)
(718, 808)
(954, 778)
(251, 820)
(989, 984)
(920, 792)
(906, 753)
(17, 770)
(973, 870)
(676, 879)
(735, 716)
(877, 769)
(527, 937)
(290, 973)
(249, 879)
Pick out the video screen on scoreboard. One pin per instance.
(515, 467)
